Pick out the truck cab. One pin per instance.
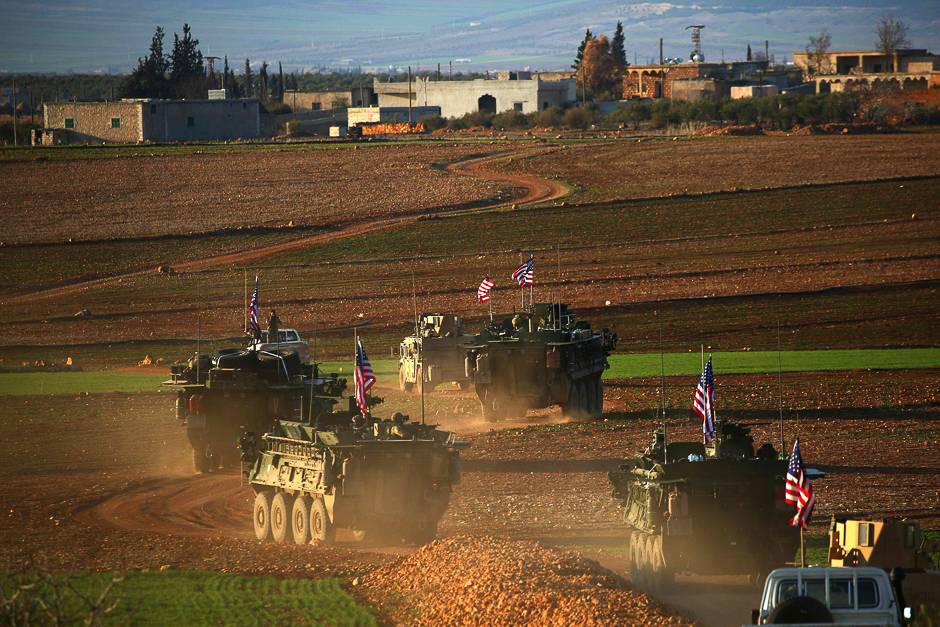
(287, 340)
(828, 595)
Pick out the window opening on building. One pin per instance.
(486, 103)
(69, 122)
(517, 106)
(190, 122)
(115, 122)
(315, 106)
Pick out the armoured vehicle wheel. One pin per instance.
(464, 385)
(300, 519)
(321, 528)
(572, 409)
(799, 611)
(426, 534)
(262, 515)
(281, 517)
(634, 562)
(200, 461)
(359, 535)
(663, 577)
(403, 385)
(599, 386)
(590, 397)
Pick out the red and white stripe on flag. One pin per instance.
(704, 402)
(364, 377)
(483, 294)
(799, 489)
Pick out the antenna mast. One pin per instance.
(696, 42)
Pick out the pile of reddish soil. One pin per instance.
(737, 131)
(463, 581)
(841, 129)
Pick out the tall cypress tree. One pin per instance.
(617, 50)
(187, 70)
(577, 60)
(149, 78)
(249, 80)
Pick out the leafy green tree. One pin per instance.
(187, 70)
(577, 60)
(149, 78)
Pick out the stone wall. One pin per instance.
(94, 122)
(656, 81)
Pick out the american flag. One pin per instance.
(523, 274)
(365, 378)
(704, 403)
(483, 294)
(799, 489)
(253, 325)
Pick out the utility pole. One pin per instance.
(660, 50)
(450, 70)
(14, 111)
(409, 94)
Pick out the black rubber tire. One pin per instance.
(426, 535)
(240, 360)
(270, 364)
(321, 528)
(572, 408)
(634, 561)
(300, 519)
(281, 517)
(201, 463)
(599, 385)
(799, 611)
(262, 515)
(590, 398)
(663, 577)
(404, 386)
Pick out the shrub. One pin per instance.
(433, 122)
(581, 117)
(279, 108)
(471, 120)
(293, 127)
(553, 116)
(511, 119)
(23, 131)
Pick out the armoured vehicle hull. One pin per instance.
(435, 354)
(537, 360)
(389, 480)
(716, 512)
(234, 391)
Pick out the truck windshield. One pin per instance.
(841, 592)
(282, 336)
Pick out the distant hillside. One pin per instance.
(490, 34)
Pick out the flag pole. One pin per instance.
(246, 299)
(783, 444)
(532, 283)
(522, 285)
(662, 379)
(802, 550)
(421, 382)
(558, 264)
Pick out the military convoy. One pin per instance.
(434, 354)
(233, 391)
(388, 479)
(716, 511)
(538, 359)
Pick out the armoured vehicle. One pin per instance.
(714, 511)
(889, 544)
(538, 359)
(233, 391)
(390, 479)
(437, 346)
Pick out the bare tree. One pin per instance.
(892, 36)
(817, 54)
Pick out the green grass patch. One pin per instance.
(206, 598)
(37, 383)
(649, 365)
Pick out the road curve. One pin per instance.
(534, 190)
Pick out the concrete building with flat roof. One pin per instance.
(132, 121)
(912, 68)
(521, 91)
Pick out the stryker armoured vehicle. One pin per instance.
(389, 479)
(223, 396)
(538, 359)
(437, 346)
(714, 511)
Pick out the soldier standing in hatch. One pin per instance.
(274, 324)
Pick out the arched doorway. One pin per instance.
(487, 103)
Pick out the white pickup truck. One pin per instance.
(288, 340)
(829, 595)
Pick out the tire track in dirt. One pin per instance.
(535, 190)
